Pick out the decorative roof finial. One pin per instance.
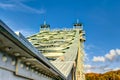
(78, 25)
(44, 22)
(77, 20)
(45, 26)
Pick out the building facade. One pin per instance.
(46, 55)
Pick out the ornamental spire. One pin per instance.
(45, 26)
(78, 25)
(44, 22)
(77, 20)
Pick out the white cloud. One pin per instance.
(117, 68)
(111, 55)
(86, 57)
(87, 66)
(28, 8)
(96, 69)
(88, 71)
(118, 51)
(88, 47)
(17, 5)
(98, 59)
(107, 69)
(5, 6)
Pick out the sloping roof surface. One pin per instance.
(64, 67)
(67, 42)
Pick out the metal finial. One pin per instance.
(77, 20)
(44, 22)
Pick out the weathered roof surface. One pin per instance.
(70, 55)
(61, 44)
(53, 43)
(64, 67)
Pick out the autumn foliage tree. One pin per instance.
(111, 75)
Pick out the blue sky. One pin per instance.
(100, 18)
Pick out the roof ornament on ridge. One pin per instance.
(78, 25)
(45, 27)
